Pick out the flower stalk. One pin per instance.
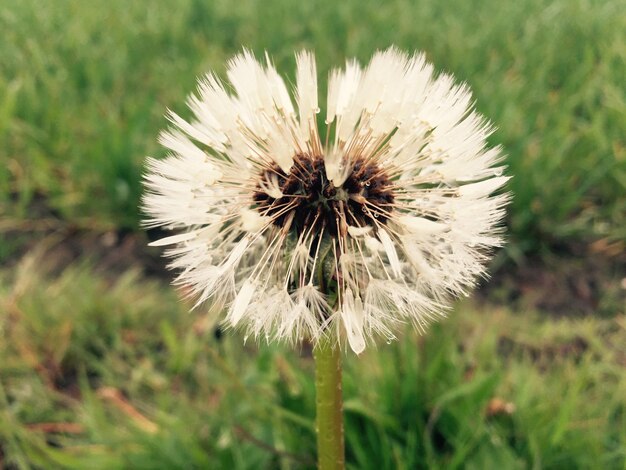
(329, 406)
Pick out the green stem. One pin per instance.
(329, 406)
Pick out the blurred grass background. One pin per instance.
(102, 367)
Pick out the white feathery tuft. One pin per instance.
(385, 225)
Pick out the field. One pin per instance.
(102, 366)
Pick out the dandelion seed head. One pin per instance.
(386, 223)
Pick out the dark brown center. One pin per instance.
(364, 199)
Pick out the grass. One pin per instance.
(84, 92)
(103, 367)
(137, 382)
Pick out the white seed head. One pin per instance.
(384, 225)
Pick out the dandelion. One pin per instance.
(341, 241)
(382, 225)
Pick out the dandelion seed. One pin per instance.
(385, 224)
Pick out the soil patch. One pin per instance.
(573, 280)
(581, 280)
